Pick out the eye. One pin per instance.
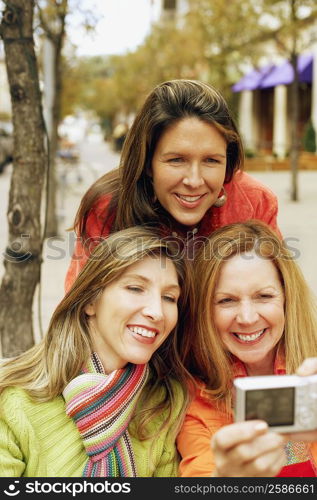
(175, 160)
(170, 298)
(265, 296)
(225, 300)
(134, 288)
(212, 160)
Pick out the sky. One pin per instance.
(122, 26)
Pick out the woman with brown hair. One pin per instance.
(255, 316)
(180, 171)
(103, 393)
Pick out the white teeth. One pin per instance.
(142, 331)
(249, 338)
(189, 198)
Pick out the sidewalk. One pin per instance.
(297, 221)
(95, 160)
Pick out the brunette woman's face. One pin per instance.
(248, 311)
(135, 313)
(188, 169)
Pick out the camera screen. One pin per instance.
(275, 406)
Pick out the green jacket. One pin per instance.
(39, 440)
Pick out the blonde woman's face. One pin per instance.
(135, 313)
(248, 311)
(188, 169)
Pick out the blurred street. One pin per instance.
(96, 158)
(297, 220)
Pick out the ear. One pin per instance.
(90, 309)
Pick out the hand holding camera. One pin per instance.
(288, 403)
(287, 408)
(248, 449)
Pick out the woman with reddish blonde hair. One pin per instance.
(255, 316)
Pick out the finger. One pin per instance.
(308, 367)
(231, 435)
(260, 445)
(267, 465)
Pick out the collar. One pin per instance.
(239, 370)
(279, 368)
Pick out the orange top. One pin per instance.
(203, 419)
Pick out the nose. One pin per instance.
(247, 313)
(193, 177)
(153, 309)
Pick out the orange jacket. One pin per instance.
(247, 199)
(203, 420)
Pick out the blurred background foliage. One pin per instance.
(215, 41)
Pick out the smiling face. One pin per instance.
(135, 313)
(248, 311)
(188, 169)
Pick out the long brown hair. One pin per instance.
(206, 357)
(130, 186)
(45, 370)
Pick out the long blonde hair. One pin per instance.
(207, 357)
(45, 369)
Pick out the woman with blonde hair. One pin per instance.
(180, 171)
(255, 316)
(103, 393)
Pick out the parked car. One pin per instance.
(6, 148)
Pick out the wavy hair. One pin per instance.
(45, 369)
(206, 357)
(130, 186)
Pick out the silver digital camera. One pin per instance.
(288, 403)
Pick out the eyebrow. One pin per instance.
(147, 281)
(262, 289)
(180, 154)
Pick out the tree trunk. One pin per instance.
(56, 37)
(49, 68)
(294, 150)
(23, 255)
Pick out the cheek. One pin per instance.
(222, 320)
(275, 315)
(161, 182)
(216, 178)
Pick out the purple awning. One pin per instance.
(271, 76)
(252, 80)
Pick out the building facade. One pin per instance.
(265, 104)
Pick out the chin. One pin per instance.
(188, 222)
(139, 360)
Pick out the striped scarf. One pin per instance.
(102, 406)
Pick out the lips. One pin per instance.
(249, 337)
(189, 197)
(144, 334)
(189, 201)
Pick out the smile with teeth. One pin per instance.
(142, 331)
(250, 338)
(189, 198)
